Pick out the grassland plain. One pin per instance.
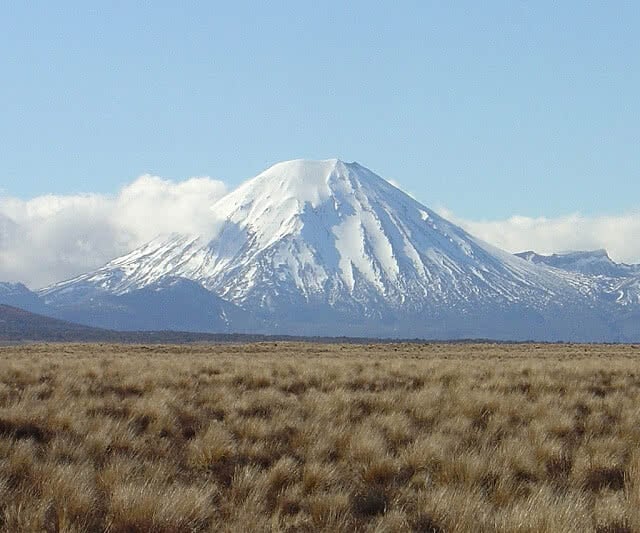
(310, 437)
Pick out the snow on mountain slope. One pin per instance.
(332, 241)
(329, 232)
(612, 281)
(628, 291)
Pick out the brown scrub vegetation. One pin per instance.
(312, 437)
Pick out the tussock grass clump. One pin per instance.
(303, 437)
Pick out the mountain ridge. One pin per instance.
(590, 262)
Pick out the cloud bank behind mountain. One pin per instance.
(618, 234)
(50, 238)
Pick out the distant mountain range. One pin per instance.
(329, 248)
(594, 263)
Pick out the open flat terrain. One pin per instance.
(311, 437)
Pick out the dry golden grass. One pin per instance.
(303, 437)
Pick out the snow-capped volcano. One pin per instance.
(329, 247)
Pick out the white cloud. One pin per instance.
(51, 238)
(618, 234)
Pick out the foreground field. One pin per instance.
(302, 437)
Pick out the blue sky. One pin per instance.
(489, 109)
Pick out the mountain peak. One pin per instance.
(306, 180)
(302, 164)
(297, 194)
(286, 190)
(296, 180)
